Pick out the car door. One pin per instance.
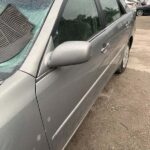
(118, 24)
(65, 94)
(147, 9)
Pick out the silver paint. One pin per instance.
(41, 108)
(69, 53)
(20, 120)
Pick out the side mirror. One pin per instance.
(69, 53)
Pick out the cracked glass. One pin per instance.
(35, 11)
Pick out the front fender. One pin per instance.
(20, 123)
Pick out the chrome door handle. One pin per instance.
(105, 49)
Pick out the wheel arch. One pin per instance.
(130, 42)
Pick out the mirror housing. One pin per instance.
(69, 53)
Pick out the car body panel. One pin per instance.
(145, 8)
(75, 82)
(41, 107)
(78, 86)
(21, 127)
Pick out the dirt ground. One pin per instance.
(120, 119)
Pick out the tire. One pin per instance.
(124, 62)
(140, 13)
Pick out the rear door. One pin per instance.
(118, 24)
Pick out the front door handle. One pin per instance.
(105, 48)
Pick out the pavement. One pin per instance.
(120, 118)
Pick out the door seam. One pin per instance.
(48, 143)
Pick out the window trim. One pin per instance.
(121, 7)
(59, 17)
(101, 21)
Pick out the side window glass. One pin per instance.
(78, 22)
(111, 10)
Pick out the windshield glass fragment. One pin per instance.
(15, 33)
(20, 23)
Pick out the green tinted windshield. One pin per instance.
(36, 12)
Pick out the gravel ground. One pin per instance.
(120, 119)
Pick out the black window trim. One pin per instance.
(59, 17)
(101, 20)
(121, 7)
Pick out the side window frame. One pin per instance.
(122, 9)
(59, 18)
(100, 13)
(105, 22)
(125, 8)
(98, 8)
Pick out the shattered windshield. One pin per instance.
(20, 23)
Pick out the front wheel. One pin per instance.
(125, 60)
(140, 12)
